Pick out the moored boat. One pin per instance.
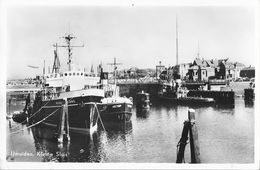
(114, 107)
(142, 101)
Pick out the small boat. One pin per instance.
(142, 101)
(114, 107)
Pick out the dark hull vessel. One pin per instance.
(116, 112)
(67, 99)
(82, 114)
(179, 95)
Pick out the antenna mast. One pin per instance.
(177, 62)
(198, 54)
(68, 37)
(43, 67)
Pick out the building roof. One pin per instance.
(249, 68)
(237, 64)
(199, 62)
(229, 65)
(222, 60)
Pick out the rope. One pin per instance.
(35, 113)
(99, 117)
(95, 104)
(34, 123)
(31, 115)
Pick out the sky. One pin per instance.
(138, 36)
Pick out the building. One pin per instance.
(159, 69)
(248, 72)
(230, 70)
(197, 73)
(182, 69)
(238, 67)
(201, 70)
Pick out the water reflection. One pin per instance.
(117, 128)
(81, 148)
(143, 113)
(249, 103)
(150, 137)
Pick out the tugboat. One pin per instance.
(114, 107)
(81, 91)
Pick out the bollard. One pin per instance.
(194, 143)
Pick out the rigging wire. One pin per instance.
(31, 115)
(34, 123)
(95, 104)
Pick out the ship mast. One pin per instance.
(177, 57)
(68, 37)
(198, 54)
(56, 64)
(115, 67)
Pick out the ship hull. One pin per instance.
(82, 116)
(116, 112)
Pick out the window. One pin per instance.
(69, 74)
(65, 74)
(77, 74)
(73, 74)
(82, 74)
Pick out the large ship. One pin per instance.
(78, 89)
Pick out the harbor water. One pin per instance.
(226, 135)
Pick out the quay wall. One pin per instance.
(131, 90)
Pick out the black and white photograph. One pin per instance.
(131, 84)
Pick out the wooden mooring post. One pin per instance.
(63, 125)
(191, 129)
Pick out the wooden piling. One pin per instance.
(66, 112)
(63, 124)
(194, 143)
(183, 141)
